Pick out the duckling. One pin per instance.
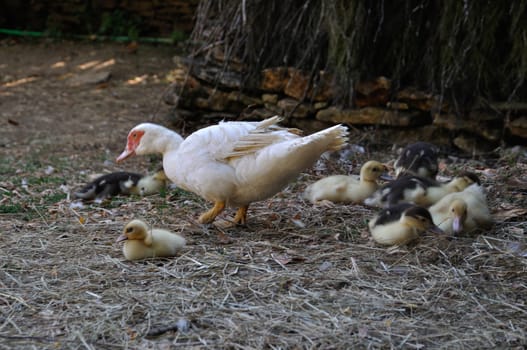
(345, 188)
(419, 190)
(462, 211)
(142, 242)
(418, 158)
(150, 184)
(122, 182)
(401, 224)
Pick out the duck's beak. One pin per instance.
(457, 225)
(127, 153)
(121, 238)
(436, 229)
(386, 176)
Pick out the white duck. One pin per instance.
(346, 188)
(462, 211)
(233, 163)
(142, 242)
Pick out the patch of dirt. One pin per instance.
(297, 276)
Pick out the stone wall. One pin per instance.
(203, 91)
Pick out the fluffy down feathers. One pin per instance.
(142, 242)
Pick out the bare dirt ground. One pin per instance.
(296, 277)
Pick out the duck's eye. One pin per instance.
(375, 169)
(134, 135)
(129, 230)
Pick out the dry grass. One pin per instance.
(296, 277)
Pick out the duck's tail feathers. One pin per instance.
(338, 135)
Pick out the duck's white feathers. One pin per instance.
(233, 163)
(242, 162)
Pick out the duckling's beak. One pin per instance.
(386, 176)
(437, 230)
(457, 225)
(121, 238)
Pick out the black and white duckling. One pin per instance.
(418, 158)
(462, 211)
(401, 224)
(346, 188)
(122, 182)
(142, 242)
(419, 190)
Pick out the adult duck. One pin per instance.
(346, 188)
(233, 163)
(401, 224)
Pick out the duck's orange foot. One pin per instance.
(209, 216)
(241, 215)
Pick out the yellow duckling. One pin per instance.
(150, 184)
(419, 190)
(401, 224)
(418, 158)
(462, 211)
(142, 242)
(345, 188)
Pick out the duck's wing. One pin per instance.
(265, 134)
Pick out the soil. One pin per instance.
(297, 276)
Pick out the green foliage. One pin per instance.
(120, 23)
(11, 208)
(178, 36)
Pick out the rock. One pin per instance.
(372, 116)
(518, 127)
(421, 100)
(473, 145)
(89, 78)
(274, 79)
(295, 109)
(372, 92)
(183, 89)
(454, 122)
(221, 101)
(296, 84)
(270, 98)
(217, 75)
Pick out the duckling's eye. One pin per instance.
(129, 230)
(375, 169)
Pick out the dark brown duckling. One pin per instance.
(419, 190)
(418, 158)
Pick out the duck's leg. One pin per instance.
(209, 216)
(241, 215)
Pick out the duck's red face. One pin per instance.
(134, 139)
